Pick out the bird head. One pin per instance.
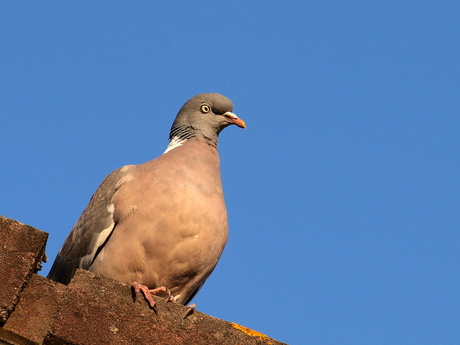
(206, 114)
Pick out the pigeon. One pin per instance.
(160, 226)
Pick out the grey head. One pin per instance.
(205, 114)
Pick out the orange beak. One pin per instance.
(232, 118)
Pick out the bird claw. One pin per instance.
(149, 292)
(149, 298)
(171, 298)
(191, 308)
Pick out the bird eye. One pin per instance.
(205, 108)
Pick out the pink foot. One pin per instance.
(148, 293)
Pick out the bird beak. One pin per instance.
(232, 118)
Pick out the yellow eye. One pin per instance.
(205, 108)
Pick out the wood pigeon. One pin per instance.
(160, 225)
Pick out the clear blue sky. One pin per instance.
(343, 193)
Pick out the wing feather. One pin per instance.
(92, 229)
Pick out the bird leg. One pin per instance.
(149, 292)
(148, 296)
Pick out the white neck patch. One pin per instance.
(175, 142)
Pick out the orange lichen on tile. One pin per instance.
(250, 332)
